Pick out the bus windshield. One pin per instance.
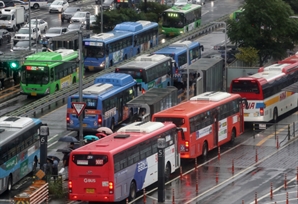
(175, 20)
(35, 75)
(95, 51)
(177, 121)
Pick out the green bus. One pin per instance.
(181, 19)
(44, 73)
(235, 15)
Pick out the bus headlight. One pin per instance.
(181, 32)
(47, 91)
(102, 64)
(162, 31)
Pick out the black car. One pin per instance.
(4, 36)
(69, 12)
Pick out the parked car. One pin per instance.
(79, 17)
(55, 31)
(5, 36)
(41, 24)
(75, 27)
(23, 45)
(69, 12)
(58, 6)
(23, 34)
(20, 3)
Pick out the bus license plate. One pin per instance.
(246, 114)
(84, 125)
(89, 190)
(33, 94)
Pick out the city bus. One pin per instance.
(263, 91)
(105, 103)
(181, 19)
(235, 15)
(20, 149)
(44, 73)
(125, 41)
(149, 70)
(208, 120)
(178, 52)
(118, 166)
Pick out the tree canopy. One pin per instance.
(266, 26)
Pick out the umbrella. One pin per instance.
(68, 139)
(66, 150)
(53, 158)
(91, 137)
(101, 135)
(105, 130)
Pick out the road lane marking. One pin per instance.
(269, 136)
(57, 140)
(53, 137)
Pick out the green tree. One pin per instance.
(293, 4)
(248, 55)
(265, 26)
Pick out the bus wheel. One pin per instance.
(275, 115)
(36, 6)
(233, 136)
(132, 191)
(9, 183)
(205, 150)
(167, 172)
(113, 124)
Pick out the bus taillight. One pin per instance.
(111, 187)
(186, 146)
(67, 118)
(99, 120)
(143, 91)
(70, 186)
(261, 111)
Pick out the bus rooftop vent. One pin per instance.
(181, 43)
(150, 57)
(211, 96)
(103, 36)
(144, 23)
(15, 122)
(121, 136)
(97, 89)
(276, 67)
(141, 127)
(65, 52)
(117, 79)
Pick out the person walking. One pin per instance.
(66, 160)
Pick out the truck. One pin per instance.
(153, 101)
(12, 18)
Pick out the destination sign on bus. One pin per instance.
(98, 44)
(32, 68)
(173, 15)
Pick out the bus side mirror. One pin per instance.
(202, 48)
(244, 101)
(182, 133)
(107, 50)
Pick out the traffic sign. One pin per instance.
(79, 107)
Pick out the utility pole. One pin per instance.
(101, 17)
(81, 67)
(29, 25)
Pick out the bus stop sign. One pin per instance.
(79, 107)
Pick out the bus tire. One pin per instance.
(275, 115)
(167, 172)
(9, 183)
(113, 124)
(132, 191)
(233, 136)
(205, 150)
(35, 6)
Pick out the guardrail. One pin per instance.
(39, 105)
(35, 194)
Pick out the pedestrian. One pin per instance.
(71, 146)
(65, 164)
(55, 169)
(48, 168)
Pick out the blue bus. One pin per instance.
(149, 70)
(105, 103)
(178, 51)
(125, 41)
(20, 149)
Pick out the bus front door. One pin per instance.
(215, 132)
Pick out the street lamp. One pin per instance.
(226, 70)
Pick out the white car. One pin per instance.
(55, 31)
(41, 25)
(58, 6)
(23, 34)
(79, 17)
(92, 20)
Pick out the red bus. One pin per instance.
(208, 120)
(116, 167)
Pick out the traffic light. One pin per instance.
(14, 65)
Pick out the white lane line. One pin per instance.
(57, 140)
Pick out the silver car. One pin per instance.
(68, 13)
